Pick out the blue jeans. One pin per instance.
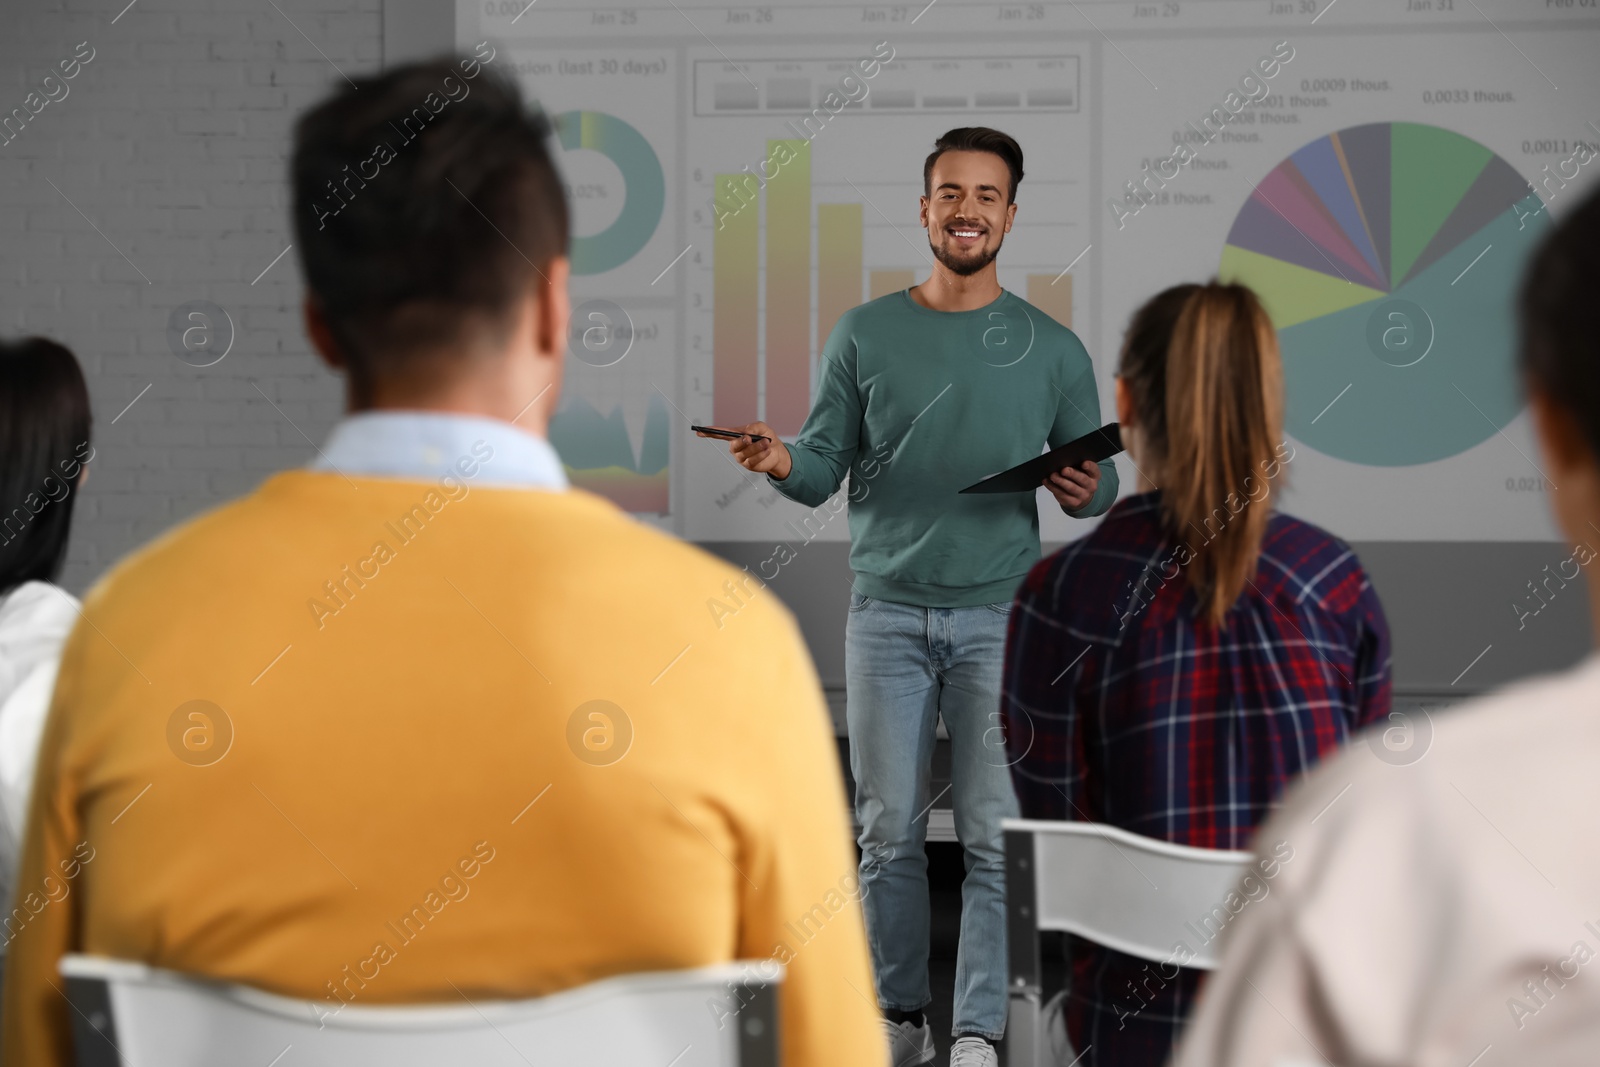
(905, 667)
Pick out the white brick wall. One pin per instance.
(174, 141)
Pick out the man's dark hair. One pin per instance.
(425, 206)
(1561, 319)
(44, 442)
(976, 139)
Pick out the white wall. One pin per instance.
(173, 141)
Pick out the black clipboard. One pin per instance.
(1097, 445)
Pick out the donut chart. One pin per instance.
(1388, 256)
(646, 188)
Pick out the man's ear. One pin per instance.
(554, 312)
(1124, 404)
(1561, 439)
(322, 337)
(1569, 463)
(922, 211)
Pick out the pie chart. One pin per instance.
(645, 196)
(1388, 256)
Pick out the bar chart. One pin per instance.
(786, 339)
(946, 84)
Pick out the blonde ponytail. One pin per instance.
(1217, 383)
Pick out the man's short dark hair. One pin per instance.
(425, 207)
(1561, 319)
(976, 139)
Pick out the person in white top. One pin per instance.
(44, 452)
(1441, 907)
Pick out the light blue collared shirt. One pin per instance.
(427, 445)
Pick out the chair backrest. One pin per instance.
(131, 1015)
(1119, 889)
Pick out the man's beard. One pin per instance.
(965, 266)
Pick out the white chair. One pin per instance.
(131, 1015)
(1118, 889)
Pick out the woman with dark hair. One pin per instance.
(1173, 671)
(44, 446)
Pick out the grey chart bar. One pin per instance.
(789, 94)
(1050, 98)
(735, 96)
(894, 98)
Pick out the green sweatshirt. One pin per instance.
(915, 405)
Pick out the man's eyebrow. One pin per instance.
(957, 186)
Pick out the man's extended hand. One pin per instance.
(763, 457)
(1072, 486)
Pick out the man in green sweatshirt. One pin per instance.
(921, 393)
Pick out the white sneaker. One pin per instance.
(973, 1052)
(909, 1044)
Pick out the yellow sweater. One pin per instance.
(407, 788)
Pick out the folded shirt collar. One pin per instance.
(427, 445)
